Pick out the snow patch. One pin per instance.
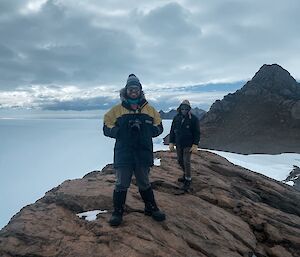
(290, 183)
(90, 215)
(157, 162)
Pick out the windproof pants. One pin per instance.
(124, 175)
(184, 160)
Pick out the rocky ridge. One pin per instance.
(231, 212)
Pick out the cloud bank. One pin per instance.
(87, 45)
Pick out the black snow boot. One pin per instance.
(119, 198)
(187, 185)
(151, 208)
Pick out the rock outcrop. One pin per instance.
(262, 117)
(294, 177)
(231, 212)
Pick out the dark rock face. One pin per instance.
(199, 113)
(231, 212)
(171, 114)
(262, 117)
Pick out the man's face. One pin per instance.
(133, 92)
(184, 110)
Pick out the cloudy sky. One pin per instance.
(63, 54)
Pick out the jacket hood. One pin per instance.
(125, 103)
(124, 98)
(189, 114)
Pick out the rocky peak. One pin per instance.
(248, 121)
(273, 75)
(273, 78)
(231, 212)
(198, 112)
(168, 115)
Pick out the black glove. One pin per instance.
(135, 125)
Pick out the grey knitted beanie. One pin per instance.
(133, 81)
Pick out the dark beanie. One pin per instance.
(133, 81)
(185, 103)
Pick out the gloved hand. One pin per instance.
(171, 147)
(135, 125)
(194, 149)
(157, 130)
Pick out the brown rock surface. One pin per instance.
(231, 212)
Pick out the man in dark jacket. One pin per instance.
(185, 134)
(133, 123)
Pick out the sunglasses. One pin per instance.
(133, 89)
(184, 109)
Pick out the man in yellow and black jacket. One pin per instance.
(133, 123)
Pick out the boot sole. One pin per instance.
(154, 217)
(115, 224)
(158, 219)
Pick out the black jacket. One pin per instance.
(185, 131)
(133, 131)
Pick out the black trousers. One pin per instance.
(184, 160)
(124, 175)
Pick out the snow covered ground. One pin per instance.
(274, 166)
